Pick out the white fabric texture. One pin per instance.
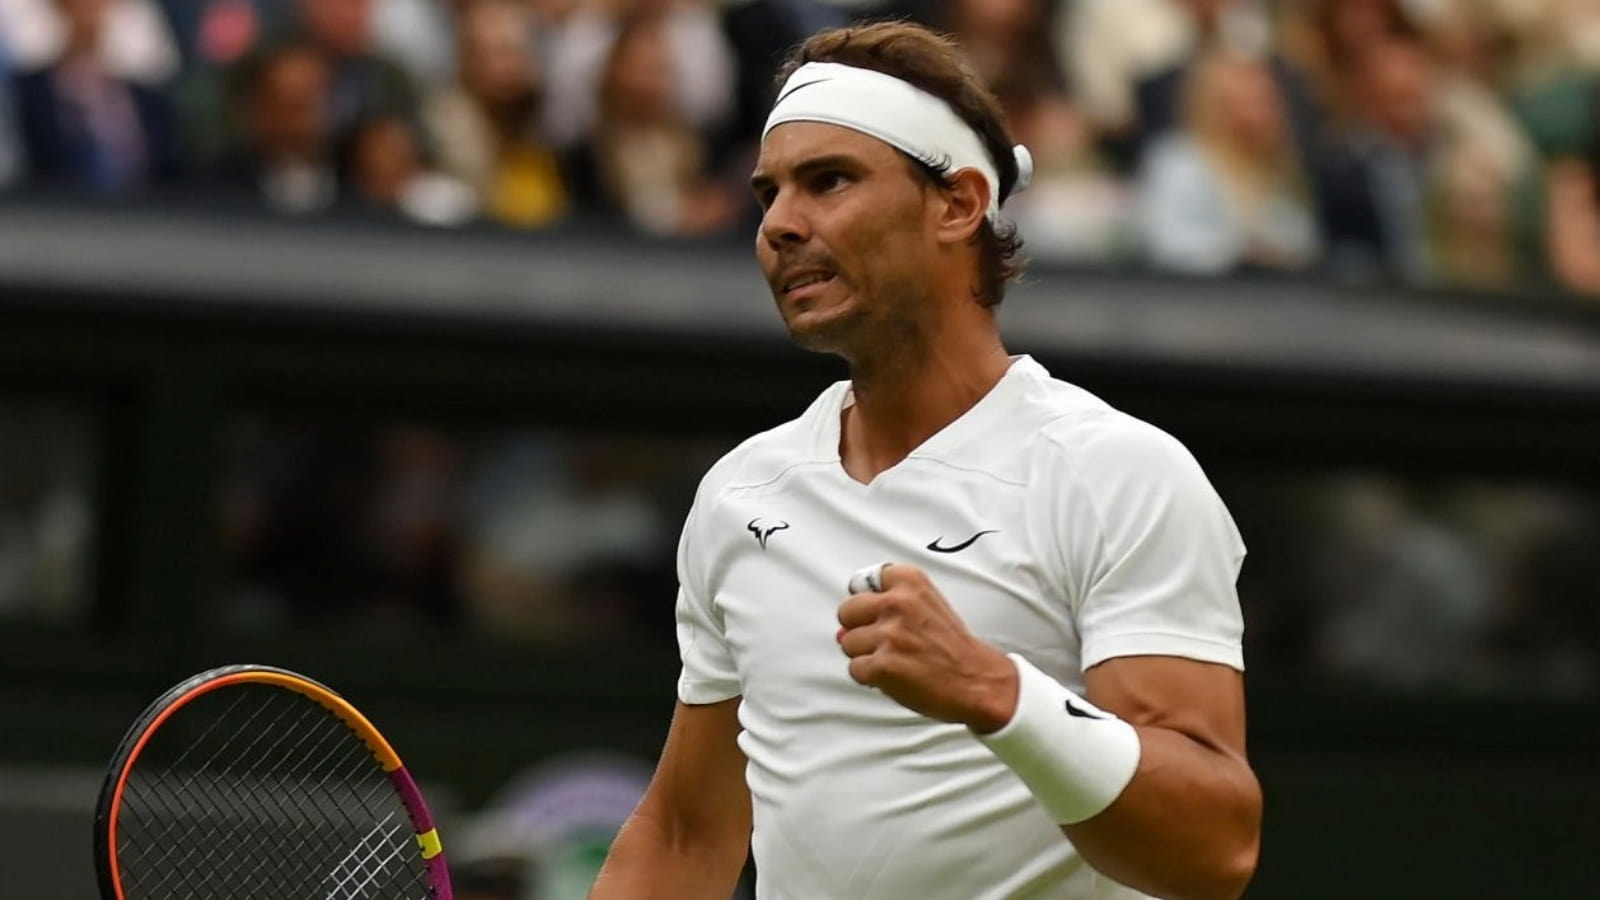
(1074, 756)
(1105, 539)
(893, 111)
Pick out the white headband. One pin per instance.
(899, 114)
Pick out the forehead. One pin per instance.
(793, 143)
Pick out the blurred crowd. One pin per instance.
(1430, 141)
(1370, 579)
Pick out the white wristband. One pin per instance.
(1073, 756)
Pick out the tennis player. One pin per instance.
(1040, 695)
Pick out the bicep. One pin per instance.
(1202, 701)
(699, 792)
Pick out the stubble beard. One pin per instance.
(884, 336)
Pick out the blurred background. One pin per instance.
(387, 340)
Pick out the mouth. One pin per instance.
(798, 282)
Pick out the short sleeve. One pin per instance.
(1149, 549)
(708, 674)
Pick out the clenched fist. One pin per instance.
(905, 640)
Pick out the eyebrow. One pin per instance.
(760, 180)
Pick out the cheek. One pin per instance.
(882, 245)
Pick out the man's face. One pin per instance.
(339, 26)
(289, 109)
(1399, 86)
(846, 239)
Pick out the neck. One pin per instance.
(902, 398)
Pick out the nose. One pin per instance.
(784, 222)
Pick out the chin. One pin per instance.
(821, 331)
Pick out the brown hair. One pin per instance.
(934, 63)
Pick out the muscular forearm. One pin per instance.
(647, 861)
(1186, 827)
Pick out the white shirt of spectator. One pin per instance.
(1056, 526)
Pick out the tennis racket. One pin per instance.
(255, 783)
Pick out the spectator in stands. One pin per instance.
(284, 154)
(1129, 57)
(1374, 191)
(487, 124)
(1007, 41)
(1574, 224)
(1229, 192)
(362, 83)
(1327, 41)
(386, 169)
(577, 39)
(1404, 602)
(1238, 27)
(644, 159)
(761, 32)
(10, 150)
(1425, 181)
(420, 35)
(135, 44)
(84, 127)
(216, 34)
(1077, 209)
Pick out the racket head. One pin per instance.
(264, 774)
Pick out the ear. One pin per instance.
(965, 205)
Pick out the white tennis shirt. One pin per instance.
(1056, 526)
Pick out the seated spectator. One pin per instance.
(216, 34)
(577, 38)
(644, 160)
(1076, 209)
(284, 153)
(135, 45)
(1425, 159)
(386, 170)
(1574, 224)
(1229, 191)
(1328, 38)
(10, 150)
(760, 32)
(1111, 45)
(362, 83)
(420, 35)
(1114, 46)
(82, 126)
(1007, 41)
(487, 125)
(1233, 26)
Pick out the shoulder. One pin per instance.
(767, 458)
(1100, 449)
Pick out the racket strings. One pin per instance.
(188, 820)
(263, 795)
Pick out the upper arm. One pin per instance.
(1202, 701)
(698, 795)
(1147, 548)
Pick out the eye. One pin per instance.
(829, 180)
(765, 196)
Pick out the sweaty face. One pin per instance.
(846, 241)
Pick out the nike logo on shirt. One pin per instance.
(934, 544)
(1080, 713)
